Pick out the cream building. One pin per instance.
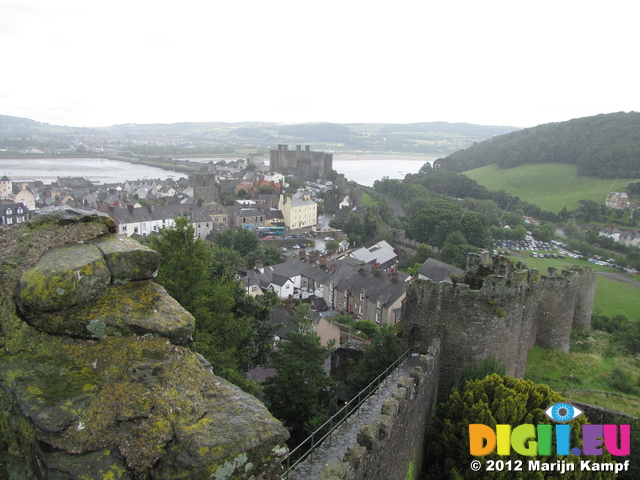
(299, 211)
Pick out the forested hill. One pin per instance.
(604, 146)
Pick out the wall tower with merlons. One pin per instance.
(498, 309)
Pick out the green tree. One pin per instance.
(332, 245)
(185, 262)
(496, 400)
(379, 355)
(232, 330)
(354, 225)
(241, 240)
(573, 231)
(294, 394)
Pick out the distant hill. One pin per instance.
(604, 146)
(436, 138)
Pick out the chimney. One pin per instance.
(242, 268)
(322, 262)
(307, 148)
(376, 269)
(359, 265)
(312, 257)
(112, 209)
(150, 208)
(259, 265)
(303, 253)
(130, 208)
(334, 267)
(298, 148)
(200, 201)
(393, 275)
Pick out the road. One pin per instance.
(620, 277)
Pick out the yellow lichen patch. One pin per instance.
(33, 390)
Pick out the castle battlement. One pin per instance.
(498, 309)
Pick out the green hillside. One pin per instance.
(551, 186)
(603, 146)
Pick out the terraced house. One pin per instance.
(145, 220)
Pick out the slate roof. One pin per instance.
(143, 214)
(381, 253)
(437, 271)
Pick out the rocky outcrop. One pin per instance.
(96, 375)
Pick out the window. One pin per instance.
(361, 295)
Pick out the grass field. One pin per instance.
(368, 199)
(617, 298)
(590, 371)
(550, 186)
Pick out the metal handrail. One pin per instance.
(317, 437)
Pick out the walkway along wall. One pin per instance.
(386, 448)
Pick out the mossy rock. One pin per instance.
(127, 259)
(61, 215)
(63, 278)
(104, 464)
(135, 308)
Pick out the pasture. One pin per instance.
(551, 186)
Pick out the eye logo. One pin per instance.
(563, 412)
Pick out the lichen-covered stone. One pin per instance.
(100, 390)
(104, 464)
(63, 278)
(137, 308)
(127, 259)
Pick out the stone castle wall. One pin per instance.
(299, 162)
(499, 310)
(386, 448)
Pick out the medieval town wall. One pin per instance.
(499, 310)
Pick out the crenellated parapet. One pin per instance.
(498, 309)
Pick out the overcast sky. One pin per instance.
(513, 62)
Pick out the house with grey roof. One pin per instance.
(347, 285)
(146, 220)
(381, 253)
(13, 213)
(437, 271)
